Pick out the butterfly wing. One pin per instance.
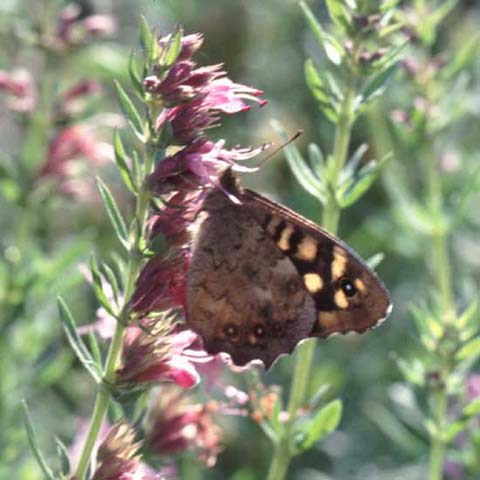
(348, 295)
(244, 295)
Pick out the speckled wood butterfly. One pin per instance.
(262, 278)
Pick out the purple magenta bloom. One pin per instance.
(74, 144)
(173, 425)
(74, 29)
(155, 353)
(20, 87)
(199, 164)
(161, 284)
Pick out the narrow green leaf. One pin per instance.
(393, 428)
(322, 424)
(330, 44)
(468, 315)
(137, 170)
(121, 160)
(63, 457)
(375, 260)
(470, 351)
(76, 342)
(113, 213)
(339, 14)
(390, 57)
(173, 50)
(352, 164)
(441, 12)
(413, 371)
(462, 57)
(316, 159)
(378, 83)
(129, 110)
(97, 284)
(135, 77)
(334, 87)
(32, 440)
(148, 41)
(299, 167)
(94, 348)
(364, 179)
(388, 5)
(472, 409)
(112, 280)
(120, 269)
(453, 430)
(315, 83)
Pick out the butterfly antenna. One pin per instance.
(281, 147)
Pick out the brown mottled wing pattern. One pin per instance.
(245, 296)
(348, 295)
(262, 278)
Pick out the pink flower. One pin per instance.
(473, 387)
(199, 164)
(184, 82)
(190, 45)
(154, 353)
(175, 219)
(228, 97)
(70, 146)
(161, 284)
(74, 99)
(118, 457)
(74, 28)
(173, 425)
(189, 120)
(21, 88)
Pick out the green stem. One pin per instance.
(442, 274)
(104, 395)
(438, 446)
(331, 214)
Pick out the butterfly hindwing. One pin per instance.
(348, 295)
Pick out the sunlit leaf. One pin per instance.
(300, 168)
(97, 284)
(378, 83)
(324, 422)
(148, 41)
(329, 43)
(76, 342)
(121, 160)
(113, 213)
(470, 351)
(362, 182)
(173, 49)
(135, 77)
(129, 110)
(472, 409)
(339, 14)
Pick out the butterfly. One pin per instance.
(263, 278)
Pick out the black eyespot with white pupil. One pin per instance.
(348, 288)
(231, 330)
(259, 331)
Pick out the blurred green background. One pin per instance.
(263, 43)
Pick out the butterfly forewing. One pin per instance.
(244, 295)
(262, 278)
